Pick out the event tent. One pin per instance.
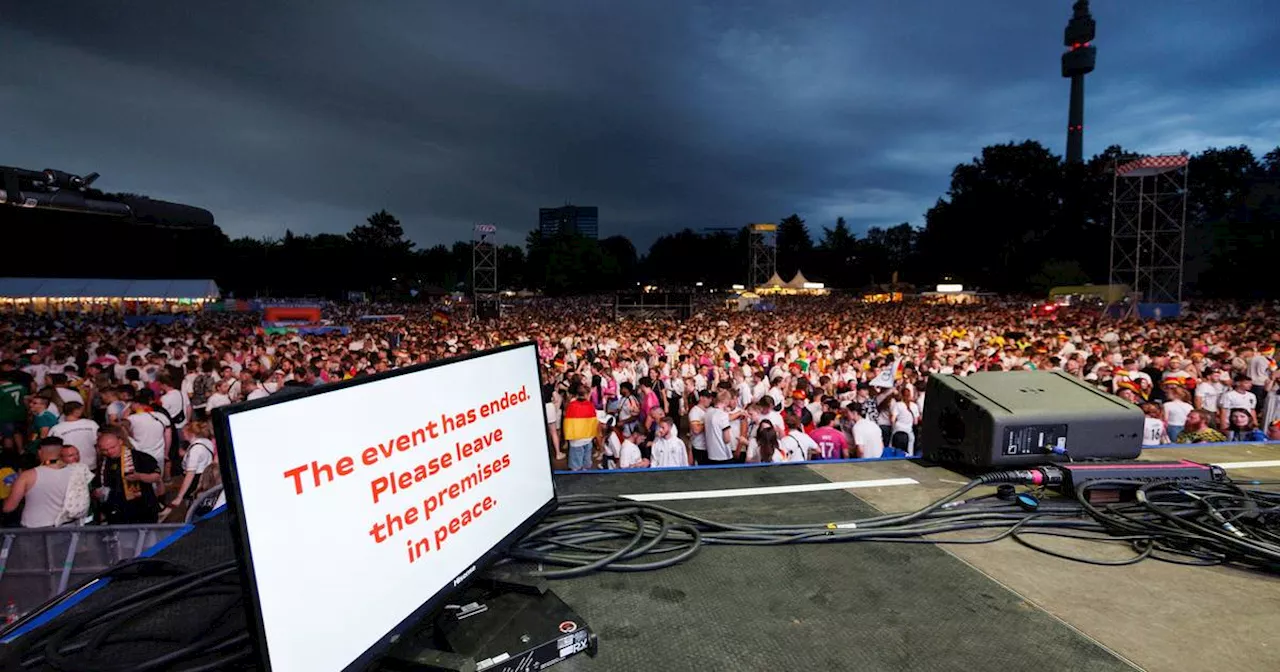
(799, 282)
(85, 293)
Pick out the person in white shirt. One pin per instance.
(37, 370)
(719, 434)
(612, 442)
(629, 456)
(175, 402)
(1176, 410)
(150, 432)
(1209, 391)
(79, 432)
(697, 427)
(903, 413)
(198, 456)
(253, 390)
(868, 440)
(796, 446)
(668, 450)
(221, 396)
(1241, 397)
(1153, 427)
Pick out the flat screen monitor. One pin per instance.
(359, 506)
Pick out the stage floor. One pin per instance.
(994, 606)
(868, 606)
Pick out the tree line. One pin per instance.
(1016, 218)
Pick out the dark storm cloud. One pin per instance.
(664, 114)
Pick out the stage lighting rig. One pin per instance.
(52, 189)
(55, 190)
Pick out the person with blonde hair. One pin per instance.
(198, 458)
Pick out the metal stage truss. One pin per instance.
(484, 272)
(653, 305)
(764, 255)
(1148, 226)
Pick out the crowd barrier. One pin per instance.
(40, 563)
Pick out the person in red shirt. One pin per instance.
(830, 440)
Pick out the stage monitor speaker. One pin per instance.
(999, 419)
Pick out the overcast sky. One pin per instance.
(664, 114)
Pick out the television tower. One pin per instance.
(1077, 62)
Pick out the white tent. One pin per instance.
(798, 282)
(774, 281)
(102, 288)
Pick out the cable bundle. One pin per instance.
(103, 639)
(1212, 523)
(1201, 523)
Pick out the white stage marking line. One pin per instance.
(1247, 465)
(770, 490)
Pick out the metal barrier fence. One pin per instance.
(39, 563)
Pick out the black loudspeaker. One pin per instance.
(1000, 419)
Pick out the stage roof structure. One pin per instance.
(108, 288)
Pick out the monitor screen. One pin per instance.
(359, 506)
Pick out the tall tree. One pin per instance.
(381, 231)
(836, 256)
(622, 252)
(795, 247)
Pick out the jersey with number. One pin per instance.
(12, 408)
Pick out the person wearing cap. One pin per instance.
(125, 480)
(799, 409)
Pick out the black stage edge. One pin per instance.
(825, 607)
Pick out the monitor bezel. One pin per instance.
(240, 532)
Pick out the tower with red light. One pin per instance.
(1077, 62)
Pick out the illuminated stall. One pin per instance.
(105, 295)
(951, 294)
(798, 286)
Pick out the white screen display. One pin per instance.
(361, 503)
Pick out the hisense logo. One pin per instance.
(463, 576)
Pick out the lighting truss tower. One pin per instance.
(763, 254)
(1078, 61)
(1148, 226)
(484, 270)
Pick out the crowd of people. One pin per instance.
(106, 423)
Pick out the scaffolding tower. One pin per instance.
(763, 255)
(1148, 226)
(484, 271)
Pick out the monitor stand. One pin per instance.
(500, 622)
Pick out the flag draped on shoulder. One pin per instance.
(580, 422)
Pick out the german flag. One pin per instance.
(439, 316)
(580, 421)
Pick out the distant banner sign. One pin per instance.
(381, 318)
(305, 330)
(486, 228)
